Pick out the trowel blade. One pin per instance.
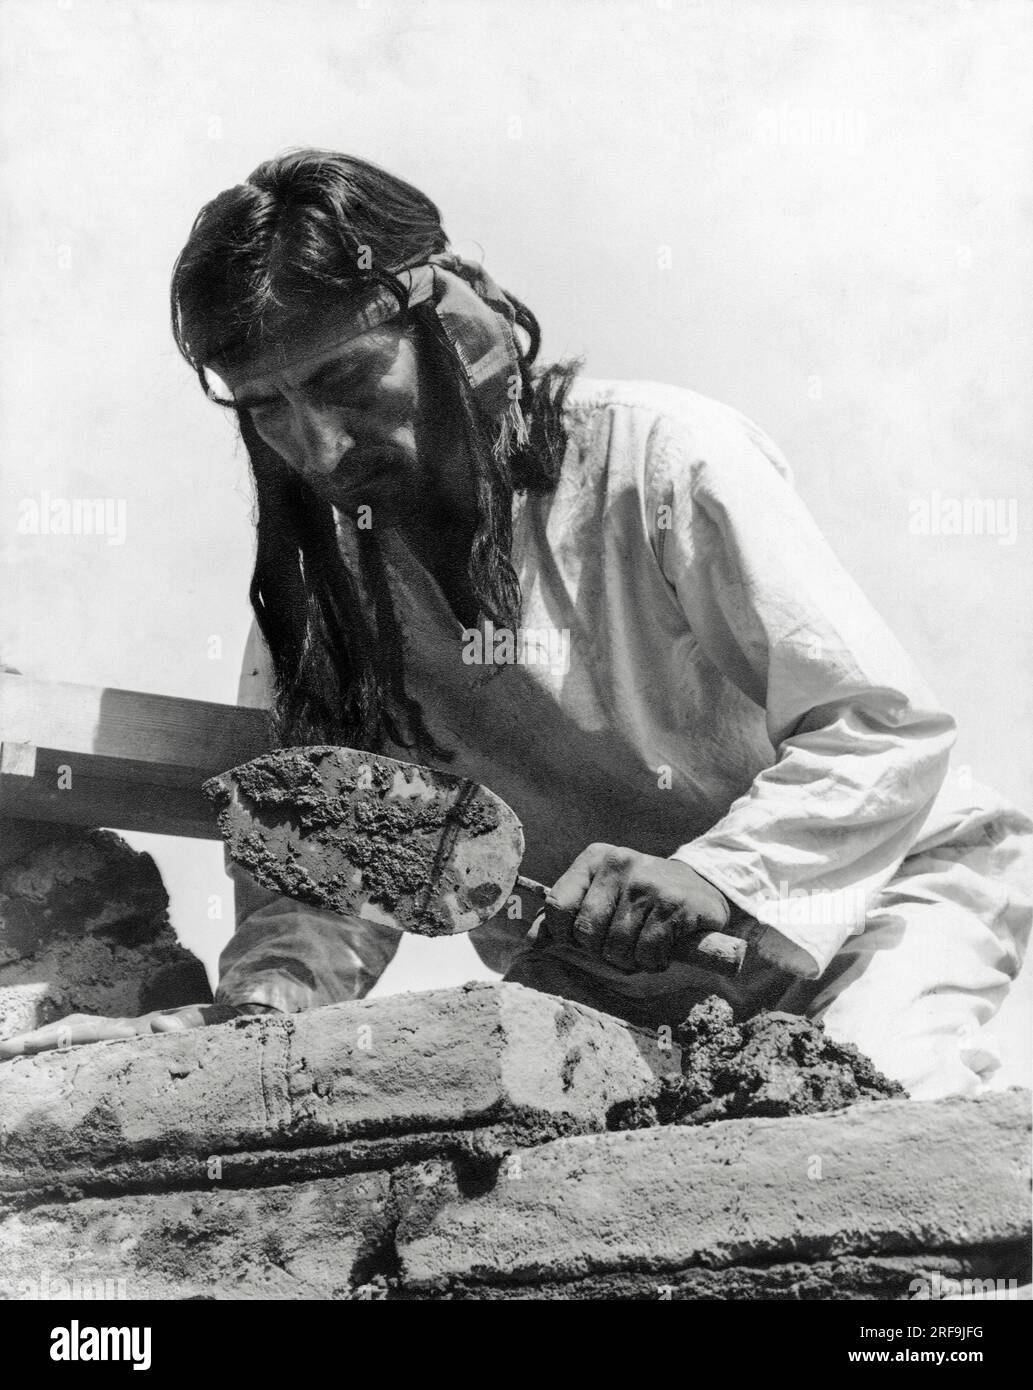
(371, 837)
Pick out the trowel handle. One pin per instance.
(715, 951)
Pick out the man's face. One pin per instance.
(346, 413)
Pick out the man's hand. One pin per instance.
(630, 909)
(88, 1028)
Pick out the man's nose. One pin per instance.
(320, 440)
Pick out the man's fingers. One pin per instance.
(67, 1032)
(630, 913)
(568, 893)
(655, 943)
(23, 1044)
(593, 920)
(77, 1029)
(175, 1020)
(191, 1016)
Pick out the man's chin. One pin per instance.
(387, 507)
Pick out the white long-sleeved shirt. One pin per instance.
(731, 699)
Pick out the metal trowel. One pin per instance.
(389, 842)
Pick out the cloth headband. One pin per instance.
(477, 322)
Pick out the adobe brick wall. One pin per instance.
(455, 1144)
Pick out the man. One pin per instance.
(604, 601)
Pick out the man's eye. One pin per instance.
(343, 391)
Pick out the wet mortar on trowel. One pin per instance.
(395, 844)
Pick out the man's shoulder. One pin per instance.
(591, 394)
(644, 417)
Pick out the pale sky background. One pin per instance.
(644, 174)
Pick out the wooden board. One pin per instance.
(125, 759)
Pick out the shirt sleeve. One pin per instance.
(860, 744)
(283, 953)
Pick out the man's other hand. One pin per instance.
(89, 1028)
(629, 909)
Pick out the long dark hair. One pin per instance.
(294, 236)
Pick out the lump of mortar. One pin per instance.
(391, 868)
(773, 1064)
(305, 796)
(790, 1066)
(288, 782)
(84, 929)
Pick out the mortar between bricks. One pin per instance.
(292, 1108)
(486, 1056)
